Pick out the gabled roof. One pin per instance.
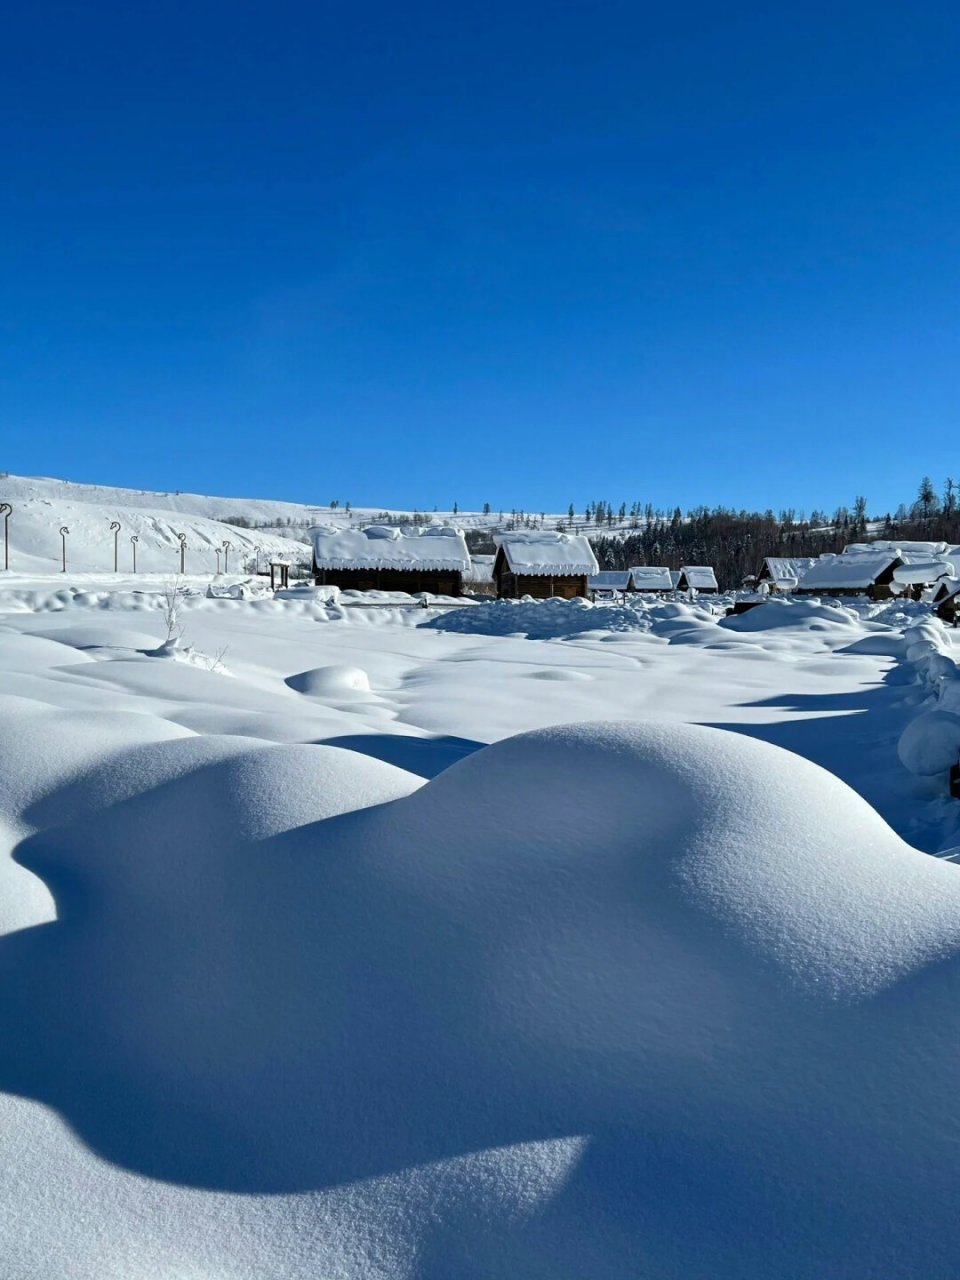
(652, 577)
(848, 571)
(541, 553)
(391, 547)
(787, 572)
(481, 568)
(609, 580)
(699, 576)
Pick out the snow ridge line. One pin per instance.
(930, 743)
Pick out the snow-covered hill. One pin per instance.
(41, 507)
(58, 502)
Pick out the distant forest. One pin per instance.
(736, 543)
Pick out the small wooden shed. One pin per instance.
(782, 574)
(541, 563)
(391, 558)
(652, 579)
(478, 579)
(699, 578)
(608, 584)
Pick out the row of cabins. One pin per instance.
(435, 559)
(652, 580)
(881, 570)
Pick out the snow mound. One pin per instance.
(100, 637)
(810, 615)
(330, 682)
(655, 965)
(930, 743)
(561, 619)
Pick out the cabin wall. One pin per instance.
(439, 582)
(511, 586)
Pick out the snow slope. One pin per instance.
(36, 546)
(299, 977)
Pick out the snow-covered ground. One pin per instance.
(303, 978)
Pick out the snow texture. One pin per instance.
(445, 943)
(848, 572)
(390, 547)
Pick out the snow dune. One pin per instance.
(598, 1000)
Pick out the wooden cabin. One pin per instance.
(653, 579)
(541, 563)
(391, 558)
(783, 575)
(859, 573)
(699, 578)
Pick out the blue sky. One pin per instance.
(524, 253)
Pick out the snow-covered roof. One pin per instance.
(699, 576)
(542, 553)
(609, 580)
(381, 546)
(922, 573)
(652, 577)
(852, 572)
(481, 569)
(905, 550)
(786, 573)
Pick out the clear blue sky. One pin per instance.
(518, 253)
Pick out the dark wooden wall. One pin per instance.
(439, 582)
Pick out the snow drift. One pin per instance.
(685, 988)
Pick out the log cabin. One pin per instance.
(391, 558)
(541, 563)
(861, 573)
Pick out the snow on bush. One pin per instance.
(594, 998)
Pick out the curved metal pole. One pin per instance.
(5, 511)
(182, 538)
(115, 530)
(133, 543)
(216, 552)
(63, 538)
(226, 550)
